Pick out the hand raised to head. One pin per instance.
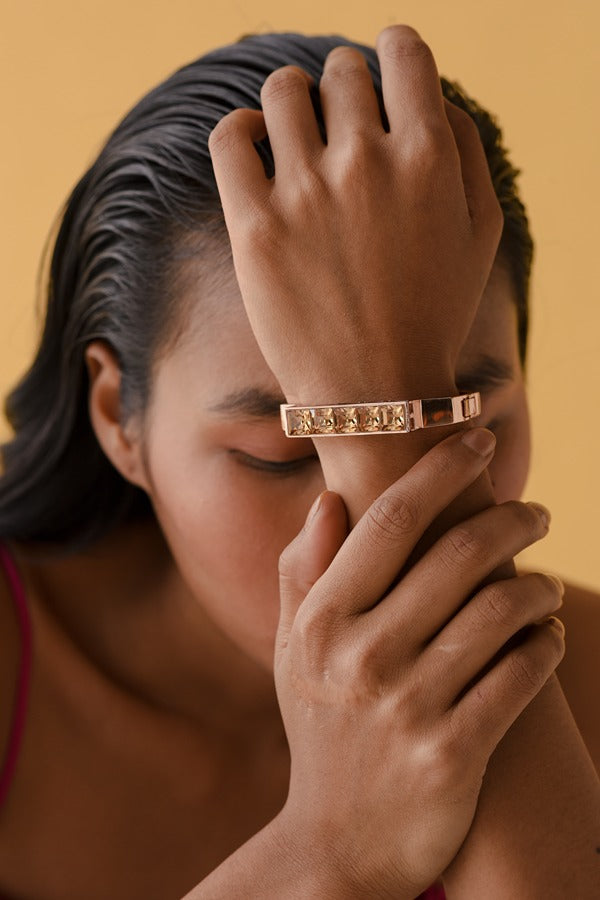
(362, 254)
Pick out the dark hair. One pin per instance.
(115, 275)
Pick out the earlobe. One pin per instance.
(120, 442)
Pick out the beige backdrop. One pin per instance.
(70, 68)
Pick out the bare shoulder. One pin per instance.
(579, 671)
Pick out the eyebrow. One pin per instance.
(485, 373)
(255, 403)
(252, 403)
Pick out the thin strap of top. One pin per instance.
(20, 704)
(435, 892)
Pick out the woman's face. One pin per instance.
(230, 491)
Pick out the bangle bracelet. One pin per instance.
(385, 417)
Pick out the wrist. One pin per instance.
(311, 872)
(317, 869)
(360, 466)
(408, 383)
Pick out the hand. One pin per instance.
(362, 256)
(395, 688)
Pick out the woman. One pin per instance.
(150, 491)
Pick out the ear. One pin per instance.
(121, 442)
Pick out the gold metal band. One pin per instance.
(386, 417)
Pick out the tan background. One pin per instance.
(69, 69)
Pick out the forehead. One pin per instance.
(217, 350)
(494, 331)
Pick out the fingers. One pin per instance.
(480, 195)
(348, 98)
(471, 640)
(309, 555)
(411, 86)
(382, 540)
(435, 588)
(483, 716)
(238, 168)
(290, 119)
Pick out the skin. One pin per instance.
(203, 636)
(208, 673)
(227, 533)
(452, 232)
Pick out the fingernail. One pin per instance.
(312, 513)
(558, 581)
(480, 440)
(542, 512)
(556, 623)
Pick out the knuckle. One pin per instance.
(380, 669)
(353, 163)
(344, 64)
(226, 132)
(557, 640)
(257, 230)
(449, 748)
(555, 588)
(283, 83)
(309, 184)
(288, 561)
(442, 760)
(499, 607)
(461, 545)
(391, 517)
(367, 672)
(526, 672)
(428, 140)
(312, 627)
(259, 226)
(526, 517)
(292, 578)
(547, 587)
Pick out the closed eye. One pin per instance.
(272, 466)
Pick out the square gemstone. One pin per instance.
(325, 421)
(347, 420)
(372, 418)
(300, 421)
(395, 418)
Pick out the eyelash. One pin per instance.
(272, 467)
(290, 466)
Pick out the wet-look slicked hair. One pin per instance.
(150, 200)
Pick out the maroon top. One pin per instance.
(435, 892)
(22, 690)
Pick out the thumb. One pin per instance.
(309, 556)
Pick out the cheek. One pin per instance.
(226, 528)
(510, 466)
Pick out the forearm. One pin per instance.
(538, 821)
(536, 832)
(275, 865)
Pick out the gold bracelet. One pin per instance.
(385, 417)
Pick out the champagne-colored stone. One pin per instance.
(347, 420)
(300, 422)
(395, 418)
(325, 422)
(372, 419)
